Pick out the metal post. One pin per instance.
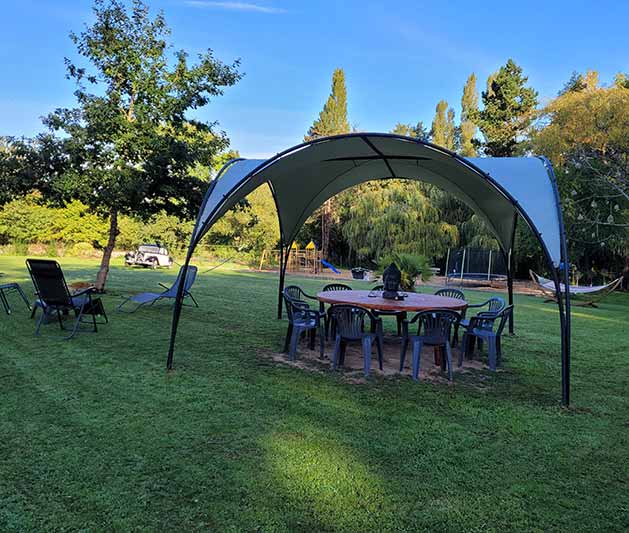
(177, 308)
(489, 268)
(510, 288)
(463, 265)
(281, 284)
(447, 265)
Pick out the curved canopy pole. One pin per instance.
(194, 240)
(558, 272)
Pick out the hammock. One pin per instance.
(588, 295)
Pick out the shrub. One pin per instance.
(83, 249)
(411, 266)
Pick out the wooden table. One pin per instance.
(373, 300)
(414, 302)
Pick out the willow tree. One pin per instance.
(130, 146)
(397, 216)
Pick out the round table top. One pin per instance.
(413, 302)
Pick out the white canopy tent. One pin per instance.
(303, 177)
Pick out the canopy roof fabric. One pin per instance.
(303, 177)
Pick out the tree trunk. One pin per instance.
(101, 278)
(325, 228)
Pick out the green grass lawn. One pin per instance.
(96, 436)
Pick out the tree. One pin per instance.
(332, 121)
(443, 132)
(129, 145)
(508, 111)
(585, 133)
(469, 108)
(396, 216)
(418, 131)
(333, 118)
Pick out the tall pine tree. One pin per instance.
(469, 107)
(333, 118)
(332, 121)
(508, 110)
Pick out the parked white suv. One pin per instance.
(149, 256)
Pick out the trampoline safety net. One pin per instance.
(475, 264)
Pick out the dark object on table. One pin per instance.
(54, 296)
(8, 288)
(301, 319)
(350, 321)
(481, 327)
(170, 292)
(433, 329)
(358, 272)
(328, 318)
(391, 278)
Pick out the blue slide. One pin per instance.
(330, 266)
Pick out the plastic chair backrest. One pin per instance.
(436, 325)
(336, 287)
(451, 293)
(49, 282)
(495, 305)
(350, 320)
(294, 307)
(294, 292)
(504, 317)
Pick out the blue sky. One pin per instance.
(400, 57)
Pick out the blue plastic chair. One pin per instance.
(350, 327)
(328, 318)
(301, 319)
(481, 328)
(433, 329)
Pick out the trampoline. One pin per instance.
(475, 266)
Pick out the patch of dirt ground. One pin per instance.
(352, 370)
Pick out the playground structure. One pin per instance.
(475, 266)
(300, 260)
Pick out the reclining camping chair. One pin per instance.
(54, 297)
(149, 298)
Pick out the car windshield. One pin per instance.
(149, 249)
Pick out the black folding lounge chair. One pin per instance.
(54, 297)
(149, 298)
(8, 288)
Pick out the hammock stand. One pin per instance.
(583, 296)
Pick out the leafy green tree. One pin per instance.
(443, 132)
(508, 111)
(408, 130)
(469, 108)
(333, 117)
(130, 146)
(585, 133)
(332, 121)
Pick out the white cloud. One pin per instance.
(235, 6)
